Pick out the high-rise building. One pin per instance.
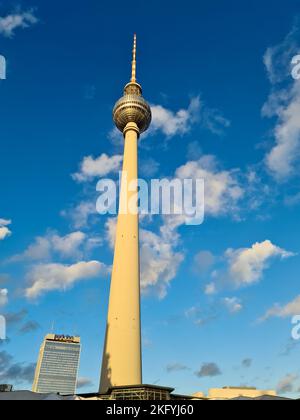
(57, 366)
(122, 356)
(6, 388)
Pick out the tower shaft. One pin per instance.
(122, 357)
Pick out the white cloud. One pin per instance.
(5, 222)
(246, 265)
(222, 188)
(290, 309)
(172, 123)
(10, 23)
(175, 123)
(277, 59)
(43, 247)
(4, 233)
(98, 167)
(283, 159)
(233, 305)
(3, 297)
(38, 250)
(68, 246)
(284, 103)
(81, 213)
(159, 262)
(45, 278)
(4, 230)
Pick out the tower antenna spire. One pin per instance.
(133, 74)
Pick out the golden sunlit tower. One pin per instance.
(122, 356)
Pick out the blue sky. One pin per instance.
(225, 108)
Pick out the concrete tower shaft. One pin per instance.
(122, 356)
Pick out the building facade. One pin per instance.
(6, 388)
(57, 366)
(229, 393)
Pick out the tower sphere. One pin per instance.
(132, 107)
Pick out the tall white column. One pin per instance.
(122, 356)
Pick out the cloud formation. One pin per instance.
(101, 166)
(18, 319)
(29, 326)
(283, 159)
(14, 318)
(176, 367)
(244, 267)
(179, 123)
(247, 363)
(233, 305)
(290, 309)
(223, 190)
(81, 213)
(20, 19)
(174, 123)
(159, 262)
(12, 372)
(283, 103)
(49, 277)
(69, 245)
(44, 247)
(209, 370)
(4, 230)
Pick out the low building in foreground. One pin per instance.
(229, 393)
(57, 366)
(6, 388)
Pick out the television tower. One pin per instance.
(122, 355)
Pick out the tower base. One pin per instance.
(141, 392)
